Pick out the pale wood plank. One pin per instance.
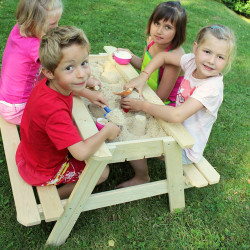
(51, 202)
(138, 149)
(193, 175)
(179, 133)
(119, 196)
(26, 206)
(174, 169)
(77, 200)
(101, 56)
(208, 171)
(86, 126)
(123, 195)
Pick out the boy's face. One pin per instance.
(72, 72)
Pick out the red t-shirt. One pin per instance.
(47, 130)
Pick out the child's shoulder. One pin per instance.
(27, 41)
(180, 51)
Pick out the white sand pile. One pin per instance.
(134, 125)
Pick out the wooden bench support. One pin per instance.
(174, 170)
(76, 201)
(24, 197)
(50, 202)
(206, 169)
(193, 176)
(26, 207)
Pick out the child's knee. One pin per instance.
(104, 175)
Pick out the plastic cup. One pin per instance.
(122, 57)
(100, 123)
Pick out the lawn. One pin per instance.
(215, 217)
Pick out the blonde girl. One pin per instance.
(166, 31)
(20, 63)
(199, 96)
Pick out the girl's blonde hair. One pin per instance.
(221, 32)
(55, 40)
(176, 14)
(31, 15)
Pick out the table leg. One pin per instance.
(174, 170)
(76, 201)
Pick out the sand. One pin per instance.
(134, 125)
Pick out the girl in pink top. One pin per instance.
(20, 64)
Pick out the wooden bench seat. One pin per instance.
(26, 206)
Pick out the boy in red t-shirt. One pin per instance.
(48, 133)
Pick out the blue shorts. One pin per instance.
(185, 159)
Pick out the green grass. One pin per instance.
(215, 217)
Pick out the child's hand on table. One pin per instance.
(95, 97)
(93, 83)
(112, 130)
(98, 99)
(137, 83)
(132, 104)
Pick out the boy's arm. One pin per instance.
(164, 112)
(84, 149)
(93, 82)
(93, 96)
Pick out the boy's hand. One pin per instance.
(93, 82)
(96, 98)
(137, 83)
(132, 104)
(112, 130)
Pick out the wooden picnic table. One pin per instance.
(66, 212)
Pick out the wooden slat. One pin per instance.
(119, 196)
(87, 127)
(26, 206)
(77, 200)
(174, 170)
(179, 133)
(138, 149)
(101, 56)
(208, 171)
(51, 203)
(193, 175)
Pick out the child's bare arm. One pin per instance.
(168, 80)
(93, 83)
(84, 149)
(164, 112)
(169, 77)
(93, 96)
(159, 60)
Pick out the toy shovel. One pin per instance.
(124, 93)
(107, 109)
